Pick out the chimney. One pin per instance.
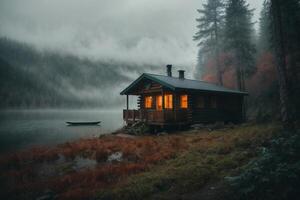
(169, 70)
(181, 74)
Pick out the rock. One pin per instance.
(117, 156)
(198, 126)
(139, 128)
(162, 133)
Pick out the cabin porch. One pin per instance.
(156, 117)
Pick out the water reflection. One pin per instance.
(21, 129)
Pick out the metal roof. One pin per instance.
(175, 83)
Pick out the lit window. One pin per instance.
(168, 101)
(148, 102)
(213, 102)
(200, 102)
(184, 101)
(158, 102)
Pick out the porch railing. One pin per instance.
(159, 116)
(132, 115)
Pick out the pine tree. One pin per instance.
(285, 39)
(264, 28)
(200, 64)
(209, 34)
(239, 39)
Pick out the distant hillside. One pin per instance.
(31, 78)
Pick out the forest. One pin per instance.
(265, 62)
(34, 78)
(267, 65)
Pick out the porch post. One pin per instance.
(127, 102)
(127, 107)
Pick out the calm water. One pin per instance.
(20, 129)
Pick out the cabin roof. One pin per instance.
(175, 83)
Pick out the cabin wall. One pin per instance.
(140, 102)
(149, 87)
(165, 116)
(228, 108)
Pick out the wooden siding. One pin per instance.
(155, 117)
(228, 107)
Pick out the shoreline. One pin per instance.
(110, 164)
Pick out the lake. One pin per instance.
(21, 129)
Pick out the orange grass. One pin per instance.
(20, 180)
(139, 154)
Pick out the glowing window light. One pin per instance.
(159, 102)
(184, 101)
(168, 101)
(148, 102)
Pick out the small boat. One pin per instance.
(83, 123)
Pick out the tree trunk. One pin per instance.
(219, 73)
(238, 71)
(243, 84)
(281, 63)
(239, 78)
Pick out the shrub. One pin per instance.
(274, 175)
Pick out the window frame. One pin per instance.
(168, 98)
(151, 102)
(157, 106)
(181, 101)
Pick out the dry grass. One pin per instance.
(19, 169)
(210, 157)
(158, 165)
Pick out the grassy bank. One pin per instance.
(151, 167)
(210, 157)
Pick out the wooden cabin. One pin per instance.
(167, 100)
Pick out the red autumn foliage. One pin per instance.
(19, 171)
(228, 78)
(226, 68)
(261, 80)
(209, 78)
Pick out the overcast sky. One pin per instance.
(138, 31)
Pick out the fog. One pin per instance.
(141, 33)
(138, 31)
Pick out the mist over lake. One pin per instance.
(22, 129)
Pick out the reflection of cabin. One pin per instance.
(168, 100)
